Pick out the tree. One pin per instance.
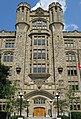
(7, 88)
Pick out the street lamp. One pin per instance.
(20, 103)
(27, 107)
(50, 108)
(57, 97)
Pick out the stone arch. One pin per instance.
(41, 92)
(73, 52)
(36, 19)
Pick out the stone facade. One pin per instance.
(43, 58)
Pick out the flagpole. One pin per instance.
(79, 67)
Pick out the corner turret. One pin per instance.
(22, 13)
(55, 10)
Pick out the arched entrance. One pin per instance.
(39, 102)
(39, 111)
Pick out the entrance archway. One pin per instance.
(39, 111)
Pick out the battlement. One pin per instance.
(55, 4)
(24, 4)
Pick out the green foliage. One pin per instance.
(75, 115)
(7, 88)
(64, 117)
(14, 117)
(62, 105)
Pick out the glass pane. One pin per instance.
(72, 45)
(72, 72)
(7, 45)
(11, 59)
(75, 107)
(35, 70)
(35, 42)
(35, 56)
(73, 57)
(77, 87)
(75, 72)
(39, 42)
(43, 70)
(71, 107)
(78, 107)
(39, 70)
(5, 57)
(43, 55)
(0, 107)
(43, 42)
(39, 55)
(3, 107)
(12, 45)
(68, 72)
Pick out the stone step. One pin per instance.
(38, 117)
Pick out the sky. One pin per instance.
(71, 12)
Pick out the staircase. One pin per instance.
(39, 117)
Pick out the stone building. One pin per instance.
(43, 58)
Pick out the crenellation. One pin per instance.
(46, 56)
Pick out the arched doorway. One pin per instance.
(39, 111)
(39, 102)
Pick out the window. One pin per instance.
(71, 107)
(3, 107)
(39, 101)
(9, 44)
(69, 43)
(39, 54)
(74, 87)
(35, 70)
(43, 41)
(70, 57)
(39, 24)
(78, 106)
(77, 88)
(39, 41)
(0, 107)
(39, 68)
(8, 57)
(71, 71)
(35, 42)
(75, 107)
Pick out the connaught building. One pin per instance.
(43, 59)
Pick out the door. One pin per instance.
(39, 111)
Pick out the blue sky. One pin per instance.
(71, 14)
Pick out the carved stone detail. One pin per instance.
(39, 83)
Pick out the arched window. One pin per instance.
(70, 57)
(39, 101)
(8, 57)
(39, 24)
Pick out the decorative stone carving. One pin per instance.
(39, 12)
(39, 83)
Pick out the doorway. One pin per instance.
(39, 111)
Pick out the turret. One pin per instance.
(55, 10)
(22, 13)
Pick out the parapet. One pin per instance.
(55, 4)
(24, 4)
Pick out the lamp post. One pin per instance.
(27, 107)
(50, 108)
(57, 97)
(20, 103)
